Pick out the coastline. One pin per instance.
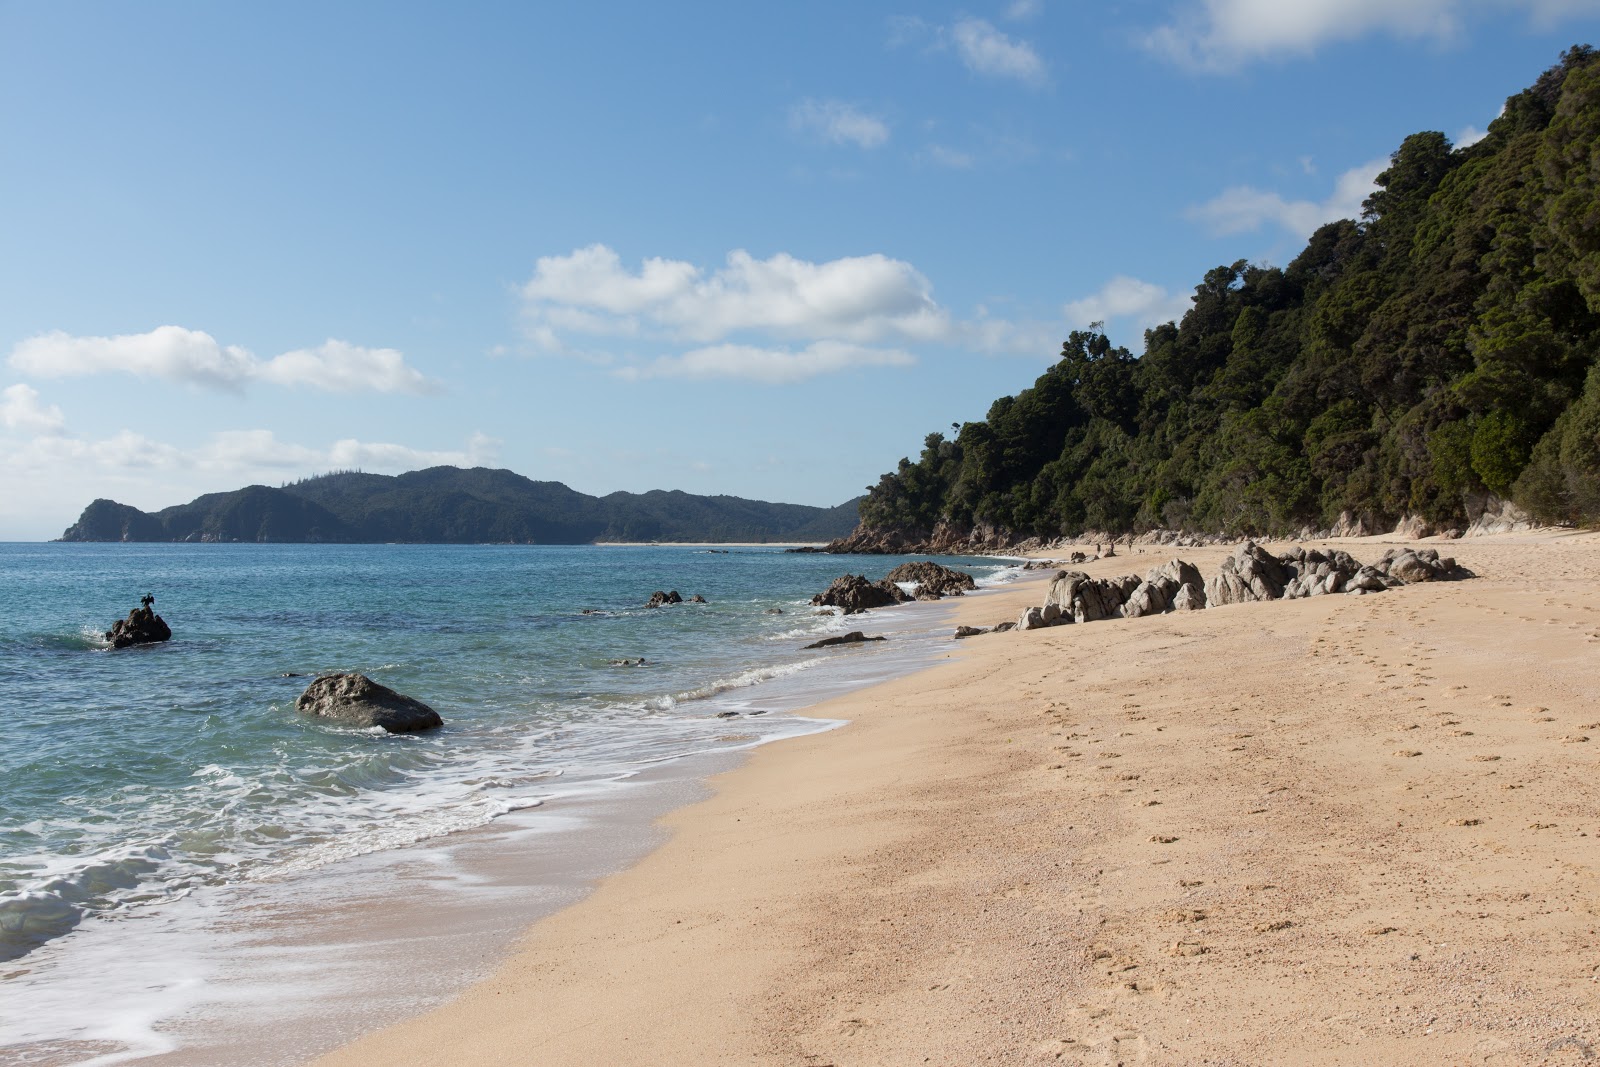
(316, 946)
(979, 865)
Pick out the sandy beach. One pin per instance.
(1350, 830)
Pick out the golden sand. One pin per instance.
(1345, 830)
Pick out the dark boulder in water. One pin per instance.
(933, 578)
(854, 637)
(659, 599)
(142, 627)
(854, 593)
(356, 700)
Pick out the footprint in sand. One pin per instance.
(1465, 822)
(1407, 753)
(1273, 927)
(1163, 839)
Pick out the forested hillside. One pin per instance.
(1437, 354)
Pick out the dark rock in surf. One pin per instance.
(659, 599)
(142, 627)
(356, 700)
(854, 593)
(854, 637)
(697, 599)
(934, 578)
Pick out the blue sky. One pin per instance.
(726, 248)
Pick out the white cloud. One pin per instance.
(769, 365)
(1022, 10)
(196, 357)
(777, 319)
(855, 298)
(21, 411)
(1227, 34)
(1140, 302)
(1469, 136)
(837, 122)
(985, 50)
(340, 367)
(239, 454)
(1245, 209)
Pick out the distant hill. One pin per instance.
(449, 505)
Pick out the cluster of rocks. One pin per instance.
(1251, 574)
(142, 627)
(933, 580)
(356, 700)
(855, 593)
(661, 599)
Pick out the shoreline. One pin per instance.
(459, 900)
(951, 874)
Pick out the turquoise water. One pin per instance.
(130, 779)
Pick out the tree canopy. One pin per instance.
(1439, 350)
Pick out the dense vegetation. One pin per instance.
(1438, 352)
(448, 505)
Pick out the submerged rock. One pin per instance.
(659, 599)
(854, 637)
(356, 700)
(142, 627)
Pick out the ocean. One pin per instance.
(177, 844)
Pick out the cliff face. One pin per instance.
(447, 505)
(107, 520)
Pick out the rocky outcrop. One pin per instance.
(356, 700)
(1491, 515)
(659, 599)
(697, 599)
(1250, 574)
(945, 539)
(854, 637)
(932, 578)
(1080, 598)
(1425, 565)
(142, 627)
(853, 593)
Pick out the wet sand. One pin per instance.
(1338, 830)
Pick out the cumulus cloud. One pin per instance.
(1246, 209)
(239, 454)
(1140, 302)
(985, 50)
(837, 122)
(773, 366)
(1022, 10)
(855, 298)
(1227, 34)
(194, 356)
(21, 412)
(778, 319)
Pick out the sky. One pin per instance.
(753, 249)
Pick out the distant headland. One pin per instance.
(449, 505)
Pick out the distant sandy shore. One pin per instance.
(1339, 830)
